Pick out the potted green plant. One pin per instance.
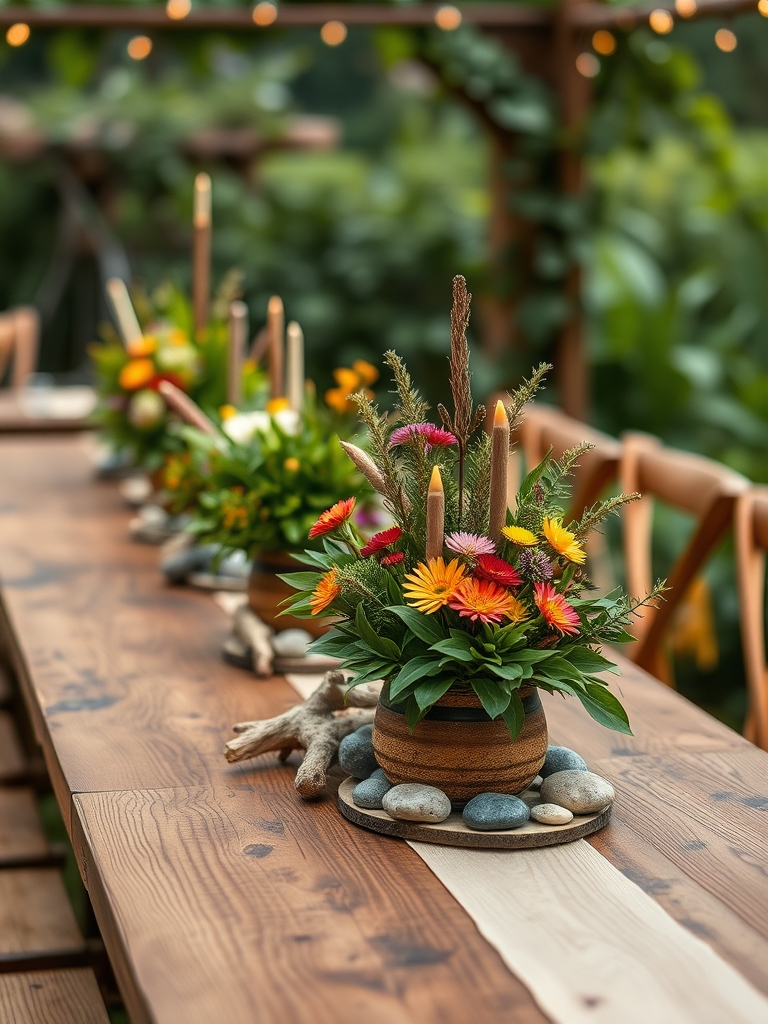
(258, 485)
(465, 608)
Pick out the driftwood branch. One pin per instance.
(317, 726)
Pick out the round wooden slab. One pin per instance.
(453, 831)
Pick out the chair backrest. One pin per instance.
(690, 483)
(751, 528)
(19, 341)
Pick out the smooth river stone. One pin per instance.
(291, 643)
(562, 759)
(579, 791)
(489, 812)
(413, 801)
(551, 814)
(356, 755)
(370, 792)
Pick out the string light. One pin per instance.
(17, 34)
(333, 33)
(448, 18)
(762, 6)
(726, 40)
(686, 8)
(604, 42)
(139, 47)
(264, 14)
(178, 9)
(587, 65)
(661, 21)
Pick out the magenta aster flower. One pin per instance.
(470, 544)
(435, 437)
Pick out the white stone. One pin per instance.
(581, 792)
(412, 801)
(551, 814)
(291, 643)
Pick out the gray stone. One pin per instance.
(551, 814)
(413, 801)
(356, 755)
(561, 759)
(581, 792)
(370, 792)
(235, 564)
(536, 784)
(177, 566)
(291, 643)
(489, 812)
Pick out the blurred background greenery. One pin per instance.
(352, 181)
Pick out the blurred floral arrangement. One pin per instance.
(460, 591)
(131, 412)
(257, 484)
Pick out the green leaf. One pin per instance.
(605, 708)
(453, 649)
(514, 715)
(427, 693)
(425, 627)
(416, 668)
(301, 580)
(492, 697)
(413, 713)
(588, 661)
(380, 644)
(333, 644)
(512, 672)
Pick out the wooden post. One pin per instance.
(276, 329)
(201, 252)
(238, 339)
(574, 92)
(26, 321)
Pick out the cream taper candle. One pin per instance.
(201, 251)
(276, 328)
(122, 307)
(238, 339)
(435, 515)
(294, 366)
(497, 519)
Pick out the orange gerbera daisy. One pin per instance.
(136, 374)
(563, 541)
(333, 517)
(325, 593)
(143, 346)
(430, 587)
(555, 609)
(483, 601)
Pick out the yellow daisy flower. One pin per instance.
(275, 405)
(292, 464)
(563, 541)
(429, 587)
(520, 536)
(227, 412)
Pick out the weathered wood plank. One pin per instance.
(35, 914)
(245, 904)
(51, 997)
(708, 814)
(21, 832)
(12, 761)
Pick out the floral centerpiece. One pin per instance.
(465, 607)
(133, 416)
(258, 483)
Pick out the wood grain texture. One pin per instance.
(21, 832)
(51, 997)
(256, 907)
(12, 761)
(590, 943)
(35, 913)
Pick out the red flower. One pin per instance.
(333, 517)
(172, 378)
(483, 601)
(434, 437)
(555, 609)
(393, 559)
(381, 540)
(490, 567)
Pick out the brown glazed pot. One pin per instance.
(458, 748)
(266, 591)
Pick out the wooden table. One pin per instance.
(221, 897)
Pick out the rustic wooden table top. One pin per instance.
(220, 895)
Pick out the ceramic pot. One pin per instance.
(266, 592)
(458, 747)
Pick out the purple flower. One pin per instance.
(434, 437)
(534, 566)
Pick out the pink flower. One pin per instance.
(434, 437)
(381, 540)
(470, 544)
(555, 610)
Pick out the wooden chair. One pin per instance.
(751, 528)
(689, 483)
